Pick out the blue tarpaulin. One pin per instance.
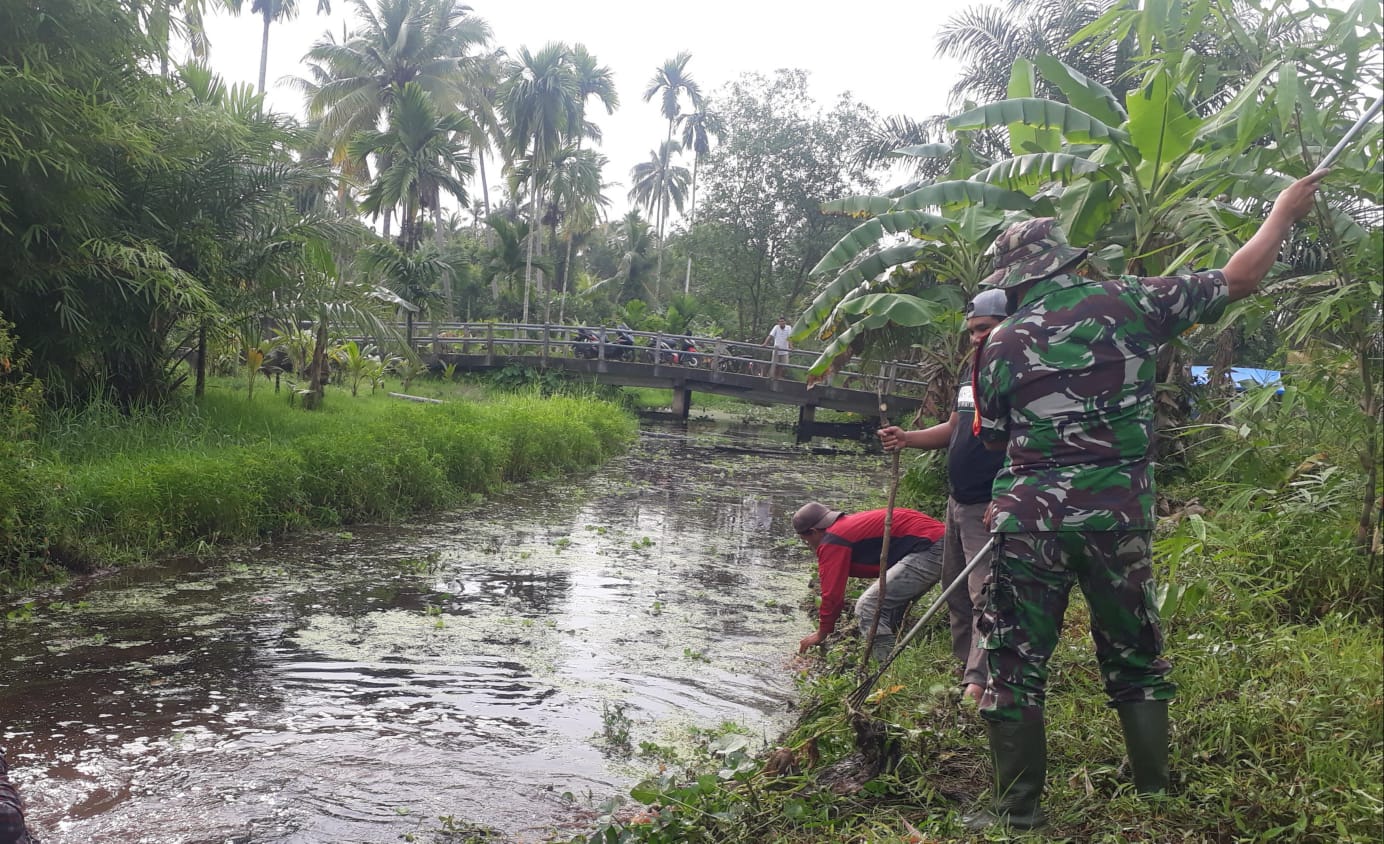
(1243, 376)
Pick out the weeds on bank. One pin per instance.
(1271, 616)
(104, 484)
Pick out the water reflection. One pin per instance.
(354, 686)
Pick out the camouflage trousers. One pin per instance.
(1033, 574)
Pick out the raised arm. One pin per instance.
(1251, 262)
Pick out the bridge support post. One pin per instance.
(807, 416)
(682, 402)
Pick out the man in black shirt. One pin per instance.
(971, 468)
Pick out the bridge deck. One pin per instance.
(717, 366)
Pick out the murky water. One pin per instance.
(353, 687)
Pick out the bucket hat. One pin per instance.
(1029, 251)
(814, 515)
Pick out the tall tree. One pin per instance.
(577, 191)
(538, 100)
(270, 11)
(431, 43)
(698, 128)
(761, 227)
(426, 158)
(987, 38)
(658, 185)
(593, 80)
(670, 83)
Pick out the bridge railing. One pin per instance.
(541, 342)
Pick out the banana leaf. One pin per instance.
(1086, 94)
(1035, 169)
(863, 270)
(1085, 208)
(924, 151)
(878, 310)
(1074, 124)
(857, 206)
(867, 234)
(963, 192)
(1162, 128)
(1023, 137)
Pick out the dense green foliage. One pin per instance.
(1272, 623)
(98, 484)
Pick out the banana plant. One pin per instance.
(899, 279)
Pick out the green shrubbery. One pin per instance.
(97, 482)
(1271, 614)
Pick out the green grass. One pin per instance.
(116, 486)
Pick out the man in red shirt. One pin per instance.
(848, 545)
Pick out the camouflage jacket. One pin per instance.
(1068, 380)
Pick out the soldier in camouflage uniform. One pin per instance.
(1066, 386)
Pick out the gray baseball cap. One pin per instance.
(814, 515)
(991, 303)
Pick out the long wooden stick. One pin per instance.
(884, 544)
(858, 696)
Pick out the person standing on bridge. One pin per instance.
(1066, 386)
(778, 338)
(848, 545)
(971, 469)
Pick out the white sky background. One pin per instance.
(887, 61)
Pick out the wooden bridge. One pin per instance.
(648, 359)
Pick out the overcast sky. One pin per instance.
(886, 60)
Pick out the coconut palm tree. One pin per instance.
(425, 158)
(698, 128)
(593, 80)
(578, 196)
(429, 42)
(657, 184)
(538, 101)
(270, 11)
(987, 38)
(479, 102)
(632, 243)
(671, 82)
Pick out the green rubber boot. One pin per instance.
(1145, 725)
(1020, 755)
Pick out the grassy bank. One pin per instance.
(98, 485)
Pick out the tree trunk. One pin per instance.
(1367, 537)
(199, 388)
(317, 370)
(449, 309)
(533, 225)
(264, 47)
(687, 282)
(485, 188)
(388, 214)
(1220, 386)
